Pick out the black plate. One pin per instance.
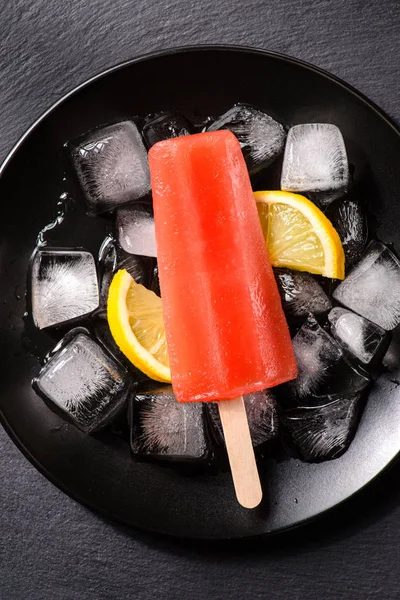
(98, 471)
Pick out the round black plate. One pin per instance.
(98, 471)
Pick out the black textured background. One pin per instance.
(54, 549)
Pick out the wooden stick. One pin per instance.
(240, 451)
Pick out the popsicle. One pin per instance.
(226, 331)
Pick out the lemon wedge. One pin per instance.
(135, 319)
(298, 235)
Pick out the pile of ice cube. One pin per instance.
(340, 332)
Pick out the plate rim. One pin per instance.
(186, 49)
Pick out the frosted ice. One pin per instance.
(323, 367)
(315, 353)
(324, 432)
(357, 335)
(372, 288)
(262, 416)
(83, 381)
(135, 229)
(63, 286)
(111, 164)
(261, 137)
(161, 426)
(164, 127)
(315, 161)
(301, 294)
(348, 218)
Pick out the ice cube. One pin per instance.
(163, 427)
(139, 267)
(135, 227)
(107, 267)
(391, 360)
(261, 137)
(348, 218)
(301, 294)
(372, 288)
(357, 335)
(323, 366)
(155, 281)
(324, 432)
(164, 127)
(262, 415)
(63, 286)
(112, 167)
(112, 258)
(84, 381)
(315, 161)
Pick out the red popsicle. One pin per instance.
(226, 331)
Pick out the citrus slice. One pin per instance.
(298, 235)
(135, 318)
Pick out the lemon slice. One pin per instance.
(298, 235)
(135, 318)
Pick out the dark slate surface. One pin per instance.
(54, 549)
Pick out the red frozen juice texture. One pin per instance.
(226, 331)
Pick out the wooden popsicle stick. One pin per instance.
(240, 452)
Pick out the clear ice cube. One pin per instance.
(112, 258)
(139, 267)
(84, 381)
(372, 288)
(348, 218)
(261, 137)
(163, 427)
(164, 127)
(323, 366)
(324, 432)
(155, 281)
(135, 230)
(391, 360)
(107, 267)
(301, 294)
(315, 162)
(262, 416)
(357, 335)
(112, 167)
(63, 286)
